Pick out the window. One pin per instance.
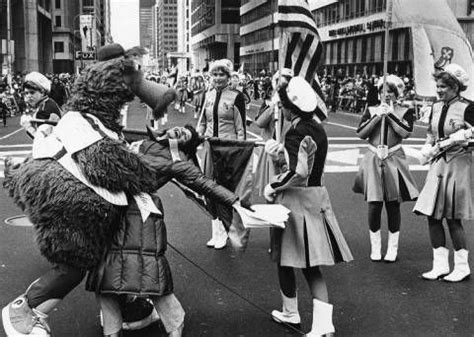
(58, 4)
(59, 47)
(57, 20)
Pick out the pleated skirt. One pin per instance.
(388, 180)
(447, 190)
(312, 236)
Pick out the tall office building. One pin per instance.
(145, 19)
(30, 36)
(215, 31)
(182, 57)
(167, 28)
(258, 36)
(65, 22)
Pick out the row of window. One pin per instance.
(345, 10)
(257, 13)
(368, 48)
(256, 36)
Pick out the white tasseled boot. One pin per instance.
(289, 313)
(322, 319)
(211, 243)
(221, 235)
(392, 247)
(461, 269)
(375, 245)
(440, 264)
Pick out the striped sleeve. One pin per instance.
(367, 124)
(403, 127)
(301, 156)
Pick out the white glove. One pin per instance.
(460, 136)
(272, 147)
(25, 121)
(427, 150)
(269, 193)
(384, 109)
(44, 129)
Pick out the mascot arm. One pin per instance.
(109, 164)
(190, 175)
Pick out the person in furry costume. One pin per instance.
(76, 186)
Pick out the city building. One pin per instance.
(146, 27)
(65, 13)
(29, 33)
(167, 32)
(182, 57)
(423, 35)
(258, 36)
(215, 31)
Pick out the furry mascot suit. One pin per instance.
(76, 186)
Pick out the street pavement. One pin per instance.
(225, 294)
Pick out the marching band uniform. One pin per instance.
(385, 177)
(223, 116)
(312, 236)
(447, 190)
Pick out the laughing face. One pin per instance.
(181, 134)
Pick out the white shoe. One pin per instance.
(392, 247)
(221, 235)
(375, 245)
(289, 313)
(20, 320)
(461, 269)
(440, 264)
(212, 242)
(322, 319)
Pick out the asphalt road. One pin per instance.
(225, 294)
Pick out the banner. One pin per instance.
(437, 40)
(87, 31)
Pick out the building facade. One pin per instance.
(145, 18)
(167, 32)
(182, 57)
(215, 31)
(30, 35)
(464, 12)
(64, 15)
(258, 36)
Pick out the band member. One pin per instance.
(384, 176)
(312, 236)
(447, 190)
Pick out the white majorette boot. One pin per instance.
(322, 319)
(392, 247)
(375, 245)
(211, 243)
(461, 269)
(221, 235)
(440, 264)
(289, 313)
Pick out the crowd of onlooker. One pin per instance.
(353, 94)
(349, 94)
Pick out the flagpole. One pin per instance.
(277, 114)
(385, 52)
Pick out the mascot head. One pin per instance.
(105, 86)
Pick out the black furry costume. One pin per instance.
(73, 224)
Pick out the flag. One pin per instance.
(300, 46)
(438, 40)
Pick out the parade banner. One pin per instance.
(437, 39)
(86, 29)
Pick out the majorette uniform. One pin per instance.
(447, 189)
(312, 236)
(388, 179)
